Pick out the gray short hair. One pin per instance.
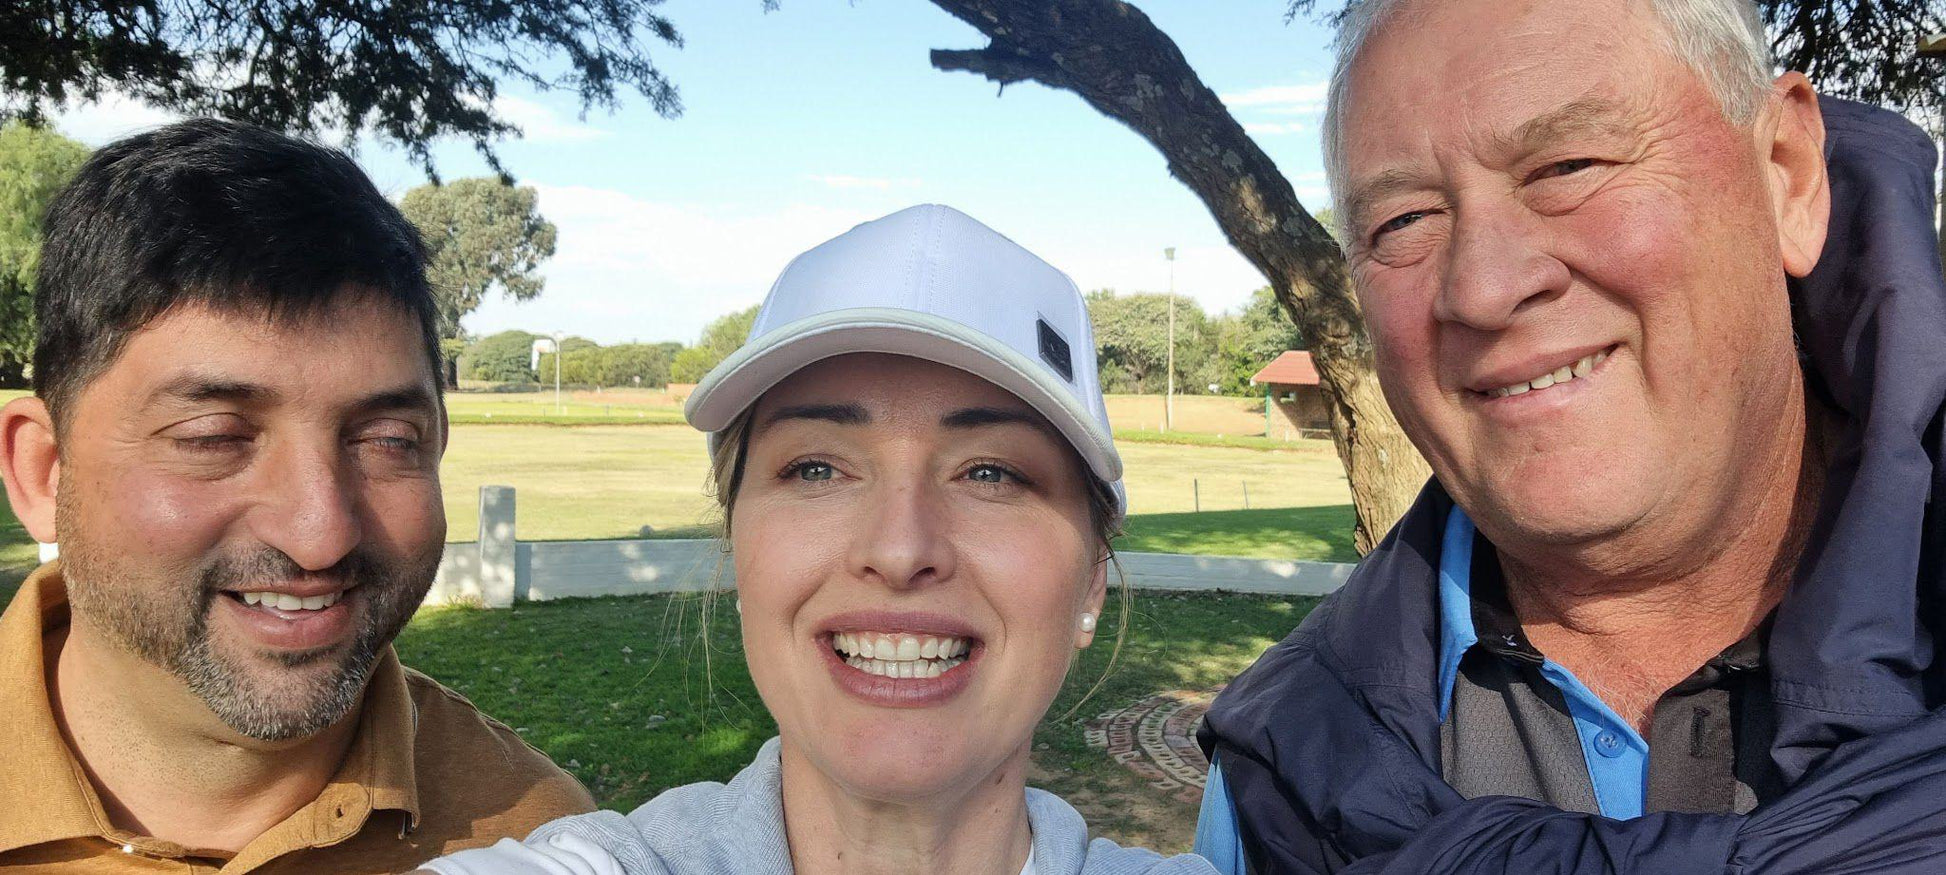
(1722, 40)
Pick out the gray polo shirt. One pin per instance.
(1517, 724)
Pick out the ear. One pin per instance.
(30, 461)
(1791, 138)
(1092, 603)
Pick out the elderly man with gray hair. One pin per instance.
(1672, 334)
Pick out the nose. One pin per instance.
(309, 507)
(1496, 267)
(902, 543)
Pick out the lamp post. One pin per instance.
(1169, 393)
(544, 344)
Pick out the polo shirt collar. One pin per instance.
(378, 772)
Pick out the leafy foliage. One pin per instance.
(500, 358)
(1132, 342)
(1861, 49)
(720, 338)
(1252, 338)
(411, 72)
(34, 164)
(481, 234)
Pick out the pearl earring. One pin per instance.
(1087, 622)
(739, 607)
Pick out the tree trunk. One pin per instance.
(1113, 57)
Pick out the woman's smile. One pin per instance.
(900, 660)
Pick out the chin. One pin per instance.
(883, 761)
(1561, 510)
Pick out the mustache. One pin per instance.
(236, 572)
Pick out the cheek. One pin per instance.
(405, 516)
(157, 516)
(1398, 312)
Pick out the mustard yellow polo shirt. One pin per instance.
(426, 774)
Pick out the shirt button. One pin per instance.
(1609, 744)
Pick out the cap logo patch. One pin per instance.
(1055, 351)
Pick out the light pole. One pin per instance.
(1169, 393)
(542, 344)
(558, 409)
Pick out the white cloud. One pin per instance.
(538, 122)
(838, 180)
(108, 119)
(1268, 129)
(626, 268)
(541, 124)
(1280, 99)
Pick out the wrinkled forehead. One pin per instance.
(1467, 75)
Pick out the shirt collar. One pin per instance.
(378, 772)
(1474, 610)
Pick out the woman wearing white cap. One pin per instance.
(919, 486)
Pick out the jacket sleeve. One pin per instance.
(1874, 807)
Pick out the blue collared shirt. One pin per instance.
(1617, 757)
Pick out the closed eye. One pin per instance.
(1563, 168)
(1399, 222)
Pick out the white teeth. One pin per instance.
(900, 655)
(284, 602)
(1585, 366)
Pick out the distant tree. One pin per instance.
(501, 358)
(34, 164)
(1132, 342)
(720, 338)
(579, 363)
(481, 234)
(635, 364)
(1251, 338)
(410, 72)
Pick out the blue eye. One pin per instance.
(1398, 223)
(988, 474)
(1568, 167)
(814, 471)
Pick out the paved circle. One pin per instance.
(1156, 739)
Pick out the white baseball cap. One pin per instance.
(931, 283)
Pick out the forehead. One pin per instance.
(893, 389)
(1464, 75)
(349, 347)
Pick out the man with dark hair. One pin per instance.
(235, 439)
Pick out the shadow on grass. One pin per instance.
(1317, 533)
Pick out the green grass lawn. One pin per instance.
(18, 553)
(630, 694)
(600, 481)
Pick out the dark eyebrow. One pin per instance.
(197, 389)
(842, 414)
(976, 417)
(403, 398)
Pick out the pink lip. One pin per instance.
(913, 622)
(1532, 366)
(887, 692)
(295, 630)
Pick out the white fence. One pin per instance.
(499, 570)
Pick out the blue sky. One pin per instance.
(803, 122)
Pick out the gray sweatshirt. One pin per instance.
(738, 828)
